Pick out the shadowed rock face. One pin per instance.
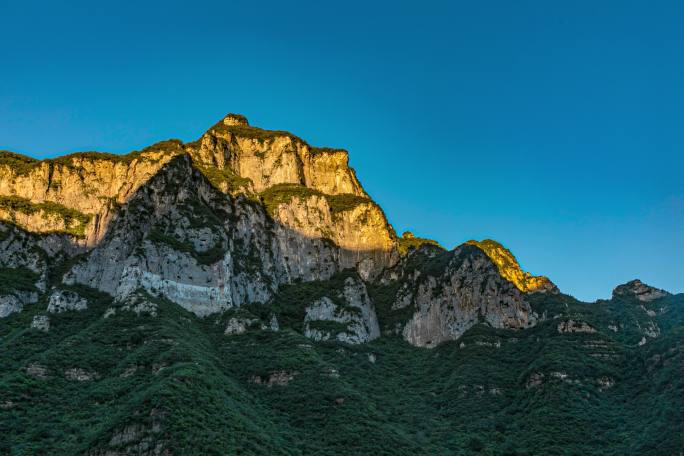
(452, 291)
(639, 290)
(352, 311)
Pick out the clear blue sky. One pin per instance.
(555, 128)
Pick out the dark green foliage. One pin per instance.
(384, 296)
(48, 208)
(17, 279)
(208, 393)
(328, 326)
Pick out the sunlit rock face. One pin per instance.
(76, 194)
(267, 158)
(510, 269)
(639, 290)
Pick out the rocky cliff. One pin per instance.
(639, 290)
(228, 220)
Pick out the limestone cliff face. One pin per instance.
(182, 239)
(231, 220)
(24, 265)
(80, 193)
(349, 316)
(510, 269)
(445, 293)
(268, 158)
(85, 185)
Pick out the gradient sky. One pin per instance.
(555, 128)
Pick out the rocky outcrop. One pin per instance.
(349, 316)
(510, 269)
(138, 303)
(64, 300)
(639, 290)
(277, 378)
(238, 325)
(138, 439)
(41, 323)
(575, 326)
(9, 305)
(80, 375)
(266, 158)
(357, 226)
(37, 370)
(446, 293)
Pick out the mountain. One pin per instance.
(243, 294)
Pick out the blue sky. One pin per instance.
(552, 127)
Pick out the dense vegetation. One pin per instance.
(14, 280)
(178, 381)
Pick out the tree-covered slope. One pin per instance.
(168, 382)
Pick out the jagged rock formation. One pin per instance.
(227, 220)
(63, 301)
(446, 293)
(639, 290)
(510, 269)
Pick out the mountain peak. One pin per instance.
(235, 119)
(637, 289)
(510, 269)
